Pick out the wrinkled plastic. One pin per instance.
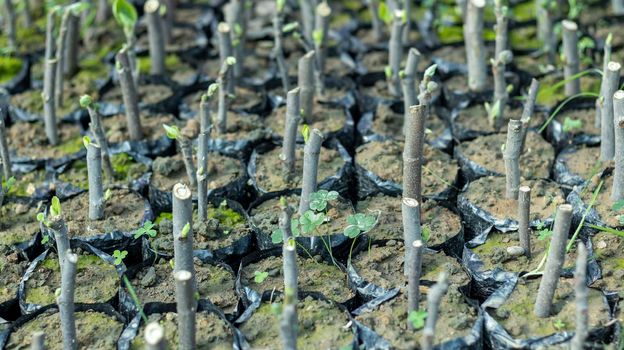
(562, 173)
(560, 138)
(28, 308)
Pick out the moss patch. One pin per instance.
(126, 170)
(9, 67)
(549, 96)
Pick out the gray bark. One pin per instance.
(156, 37)
(186, 147)
(70, 66)
(307, 18)
(306, 84)
(434, 297)
(66, 301)
(278, 51)
(186, 308)
(413, 282)
(527, 111)
(410, 212)
(545, 29)
(321, 25)
(1, 191)
(235, 17)
(410, 96)
(168, 20)
(512, 158)
(288, 251)
(182, 215)
(155, 337)
(500, 88)
(373, 7)
(554, 261)
(28, 22)
(202, 155)
(606, 58)
(97, 129)
(38, 341)
(50, 43)
(223, 81)
(311, 153)
(580, 299)
(130, 96)
(5, 156)
(225, 51)
(61, 48)
(617, 191)
(49, 106)
(524, 212)
(607, 133)
(618, 7)
(96, 190)
(395, 54)
(502, 20)
(475, 50)
(571, 57)
(407, 7)
(59, 229)
(288, 326)
(413, 153)
(290, 133)
(10, 24)
(103, 11)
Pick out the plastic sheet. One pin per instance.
(562, 173)
(28, 308)
(561, 138)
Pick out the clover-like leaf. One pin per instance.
(125, 14)
(310, 221)
(119, 256)
(425, 233)
(294, 227)
(362, 221)
(260, 276)
(277, 236)
(352, 231)
(417, 318)
(319, 199)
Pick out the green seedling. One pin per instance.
(425, 233)
(277, 236)
(305, 132)
(173, 132)
(185, 230)
(260, 276)
(570, 124)
(9, 183)
(319, 199)
(119, 255)
(417, 318)
(358, 224)
(146, 230)
(125, 14)
(108, 194)
(543, 232)
(559, 324)
(310, 221)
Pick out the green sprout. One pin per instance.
(260, 276)
(570, 124)
(86, 141)
(388, 72)
(425, 233)
(119, 256)
(55, 207)
(310, 221)
(173, 132)
(185, 230)
(543, 232)
(289, 27)
(559, 324)
(384, 13)
(317, 36)
(230, 61)
(319, 199)
(108, 194)
(359, 223)
(417, 318)
(305, 132)
(86, 101)
(125, 14)
(9, 183)
(212, 89)
(146, 230)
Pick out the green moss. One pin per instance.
(340, 19)
(172, 64)
(549, 96)
(525, 38)
(126, 170)
(70, 146)
(23, 186)
(28, 39)
(226, 216)
(455, 34)
(524, 11)
(163, 216)
(9, 67)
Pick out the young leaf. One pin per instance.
(417, 318)
(45, 239)
(384, 13)
(108, 194)
(279, 5)
(289, 27)
(55, 207)
(310, 221)
(260, 276)
(85, 101)
(185, 230)
(40, 217)
(230, 61)
(431, 70)
(119, 256)
(9, 183)
(351, 231)
(388, 72)
(619, 205)
(277, 236)
(317, 36)
(125, 14)
(294, 227)
(212, 89)
(425, 233)
(319, 199)
(305, 131)
(86, 141)
(173, 132)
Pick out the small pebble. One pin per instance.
(515, 250)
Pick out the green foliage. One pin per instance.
(425, 233)
(543, 232)
(45, 239)
(384, 13)
(119, 256)
(317, 36)
(493, 111)
(319, 199)
(559, 324)
(279, 5)
(173, 132)
(388, 72)
(305, 132)
(55, 207)
(289, 27)
(417, 318)
(9, 183)
(212, 89)
(185, 230)
(277, 236)
(359, 223)
(125, 14)
(260, 276)
(108, 194)
(310, 221)
(86, 141)
(617, 206)
(147, 229)
(570, 124)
